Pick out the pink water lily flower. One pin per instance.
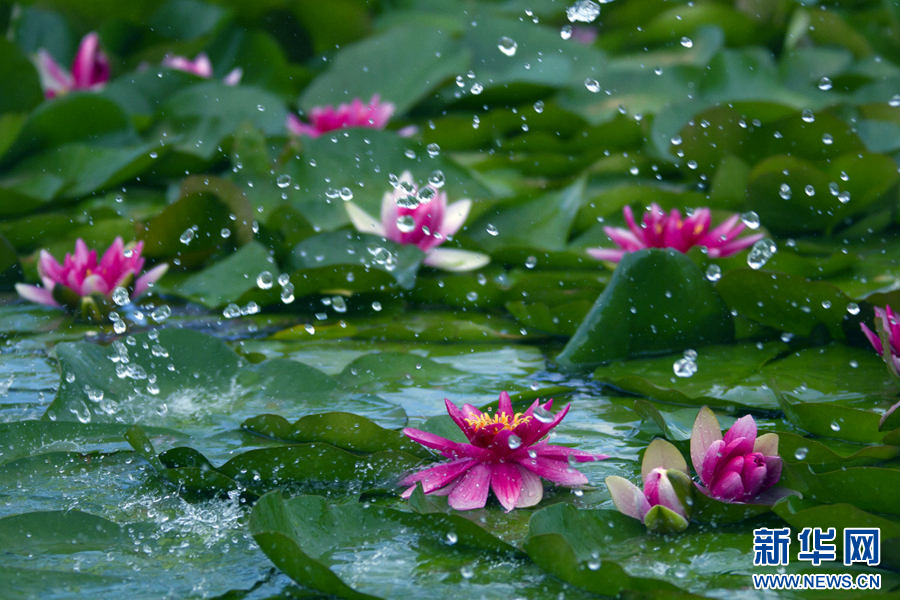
(505, 453)
(322, 119)
(82, 276)
(665, 503)
(668, 230)
(739, 467)
(201, 67)
(422, 217)
(892, 331)
(90, 69)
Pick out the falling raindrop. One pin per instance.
(785, 191)
(120, 296)
(231, 311)
(676, 140)
(514, 442)
(750, 219)
(287, 293)
(584, 11)
(339, 304)
(187, 236)
(539, 106)
(592, 85)
(714, 272)
(807, 116)
(284, 279)
(810, 190)
(265, 280)
(543, 415)
(684, 367)
(283, 181)
(566, 32)
(406, 223)
(251, 309)
(835, 426)
(346, 194)
(853, 308)
(827, 139)
(433, 150)
(161, 314)
(531, 262)
(436, 179)
(507, 46)
(687, 42)
(761, 252)
(801, 453)
(491, 230)
(476, 88)
(825, 84)
(225, 233)
(376, 306)
(894, 101)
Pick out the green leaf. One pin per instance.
(340, 429)
(26, 93)
(821, 457)
(344, 249)
(867, 488)
(718, 381)
(228, 280)
(302, 536)
(59, 532)
(402, 65)
(657, 300)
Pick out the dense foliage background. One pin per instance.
(786, 112)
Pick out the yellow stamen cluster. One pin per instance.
(506, 420)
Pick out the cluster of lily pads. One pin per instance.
(695, 202)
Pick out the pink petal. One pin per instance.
(667, 497)
(298, 127)
(54, 79)
(33, 293)
(606, 254)
(706, 468)
(234, 77)
(567, 454)
(624, 239)
(539, 430)
(143, 282)
(773, 471)
(706, 431)
(507, 484)
(49, 267)
(728, 488)
(459, 418)
(733, 247)
(505, 404)
(439, 475)
(745, 427)
(557, 471)
(532, 488)
(447, 447)
(628, 498)
(472, 490)
(454, 217)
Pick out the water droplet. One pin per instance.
(231, 311)
(287, 293)
(225, 233)
(690, 354)
(687, 42)
(539, 106)
(187, 236)
(161, 313)
(825, 84)
(451, 538)
(433, 150)
(153, 155)
(472, 296)
(801, 453)
(120, 296)
(592, 85)
(565, 32)
(283, 181)
(750, 219)
(531, 262)
(676, 140)
(70, 377)
(514, 442)
(827, 139)
(810, 190)
(406, 223)
(844, 197)
(426, 194)
(684, 367)
(714, 272)
(853, 308)
(376, 306)
(265, 280)
(436, 179)
(761, 252)
(476, 88)
(584, 11)
(119, 326)
(835, 426)
(346, 194)
(467, 572)
(894, 101)
(826, 304)
(543, 415)
(339, 304)
(785, 191)
(491, 230)
(251, 309)
(807, 115)
(507, 46)
(284, 279)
